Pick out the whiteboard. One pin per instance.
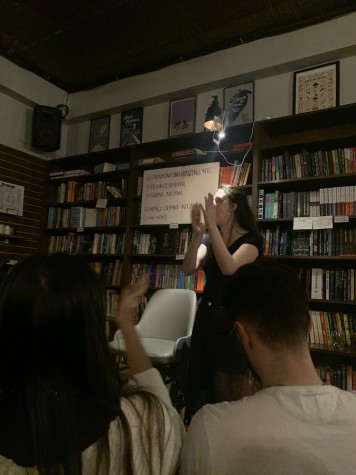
(169, 193)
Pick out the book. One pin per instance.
(261, 196)
(114, 191)
(67, 173)
(188, 152)
(167, 241)
(148, 160)
(122, 166)
(241, 146)
(301, 243)
(105, 167)
(317, 284)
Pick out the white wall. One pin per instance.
(20, 90)
(269, 62)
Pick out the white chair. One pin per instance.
(165, 327)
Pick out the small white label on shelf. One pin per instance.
(179, 257)
(303, 223)
(173, 226)
(341, 219)
(80, 230)
(101, 203)
(323, 222)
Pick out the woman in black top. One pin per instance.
(232, 241)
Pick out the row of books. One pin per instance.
(169, 276)
(235, 175)
(343, 377)
(72, 191)
(164, 241)
(307, 164)
(282, 241)
(110, 272)
(329, 284)
(108, 243)
(332, 201)
(82, 217)
(85, 243)
(112, 297)
(333, 329)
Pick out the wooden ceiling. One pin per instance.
(81, 44)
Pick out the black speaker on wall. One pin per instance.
(46, 128)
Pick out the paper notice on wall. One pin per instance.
(169, 193)
(11, 198)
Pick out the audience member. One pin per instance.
(295, 424)
(63, 409)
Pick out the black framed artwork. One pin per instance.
(316, 88)
(239, 104)
(131, 127)
(99, 134)
(182, 117)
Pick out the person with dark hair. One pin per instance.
(227, 239)
(63, 407)
(295, 424)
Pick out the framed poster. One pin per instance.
(99, 134)
(131, 127)
(209, 105)
(182, 117)
(316, 88)
(239, 104)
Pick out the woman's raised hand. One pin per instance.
(129, 300)
(209, 211)
(197, 225)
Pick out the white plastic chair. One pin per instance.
(165, 327)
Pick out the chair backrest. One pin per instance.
(169, 314)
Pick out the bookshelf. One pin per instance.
(85, 216)
(304, 164)
(87, 213)
(304, 195)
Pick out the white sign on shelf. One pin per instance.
(169, 193)
(323, 222)
(302, 223)
(11, 198)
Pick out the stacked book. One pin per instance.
(188, 153)
(105, 167)
(67, 173)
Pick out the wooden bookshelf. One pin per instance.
(314, 141)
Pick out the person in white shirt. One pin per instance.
(295, 424)
(63, 408)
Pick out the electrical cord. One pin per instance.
(246, 153)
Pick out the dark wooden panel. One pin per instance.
(30, 172)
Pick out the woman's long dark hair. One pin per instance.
(243, 214)
(58, 387)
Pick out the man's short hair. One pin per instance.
(272, 298)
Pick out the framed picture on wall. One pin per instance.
(131, 127)
(99, 134)
(209, 105)
(239, 104)
(316, 88)
(182, 117)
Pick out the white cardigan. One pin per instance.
(172, 430)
